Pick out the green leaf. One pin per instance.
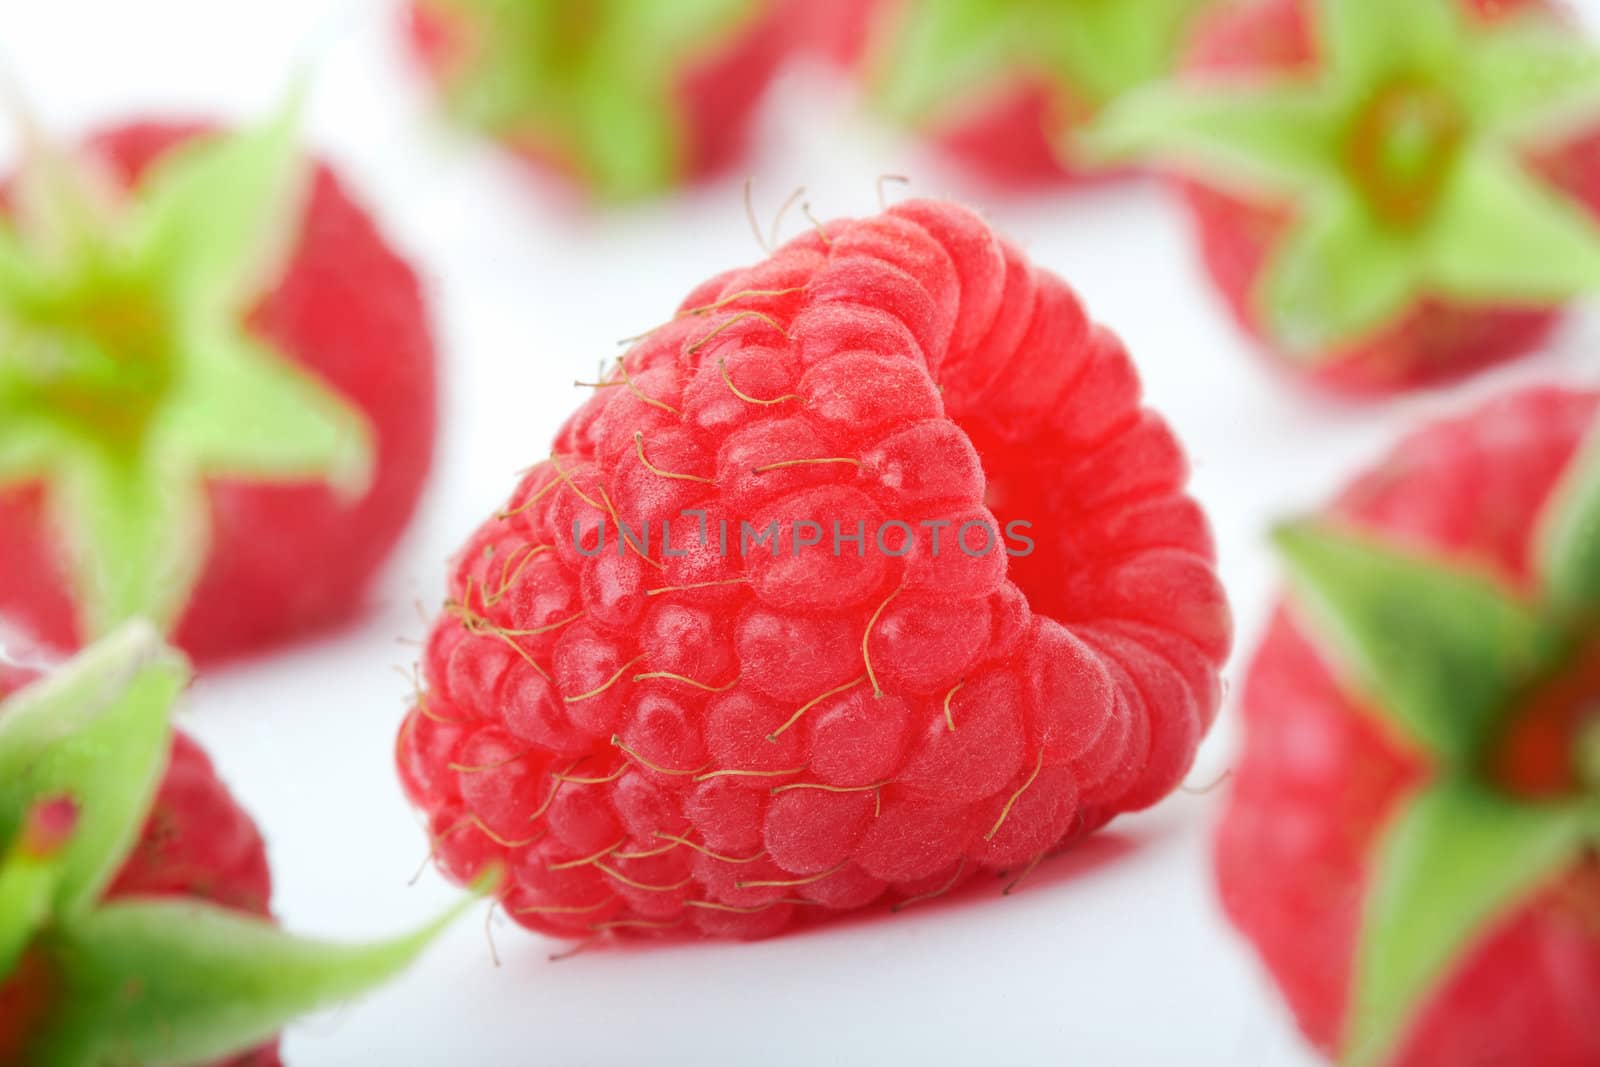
(1450, 866)
(1501, 235)
(219, 216)
(947, 50)
(1533, 76)
(1567, 538)
(239, 410)
(1335, 277)
(1369, 41)
(137, 530)
(173, 983)
(97, 731)
(1435, 649)
(1245, 136)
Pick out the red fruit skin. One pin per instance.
(1318, 778)
(716, 94)
(1437, 340)
(197, 842)
(600, 726)
(838, 30)
(285, 560)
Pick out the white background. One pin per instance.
(1093, 962)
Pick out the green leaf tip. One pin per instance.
(174, 984)
(131, 376)
(96, 732)
(1451, 864)
(1436, 648)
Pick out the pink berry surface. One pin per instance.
(729, 738)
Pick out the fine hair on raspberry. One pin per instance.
(682, 738)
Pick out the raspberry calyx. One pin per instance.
(1402, 155)
(1497, 692)
(130, 376)
(88, 975)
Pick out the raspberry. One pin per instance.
(1370, 227)
(341, 337)
(1329, 769)
(106, 816)
(1003, 86)
(196, 842)
(625, 99)
(736, 731)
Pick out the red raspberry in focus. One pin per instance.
(730, 743)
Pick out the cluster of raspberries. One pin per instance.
(740, 741)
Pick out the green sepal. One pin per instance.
(62, 206)
(945, 50)
(17, 280)
(174, 983)
(1335, 276)
(1534, 78)
(136, 534)
(1367, 41)
(97, 732)
(595, 84)
(629, 149)
(1477, 226)
(136, 376)
(1106, 49)
(247, 413)
(1567, 539)
(1435, 649)
(216, 219)
(1243, 135)
(943, 54)
(30, 445)
(1503, 235)
(1451, 864)
(27, 893)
